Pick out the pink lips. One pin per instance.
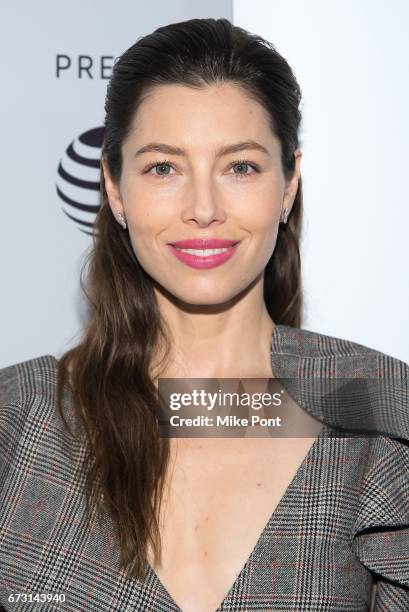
(203, 262)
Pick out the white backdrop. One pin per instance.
(351, 59)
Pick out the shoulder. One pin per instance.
(351, 358)
(27, 391)
(22, 380)
(343, 383)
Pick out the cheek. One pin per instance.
(261, 214)
(262, 199)
(144, 216)
(146, 222)
(263, 223)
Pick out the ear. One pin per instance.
(113, 193)
(292, 183)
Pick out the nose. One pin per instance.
(203, 202)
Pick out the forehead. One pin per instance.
(212, 114)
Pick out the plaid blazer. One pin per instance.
(342, 523)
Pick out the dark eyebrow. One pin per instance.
(170, 150)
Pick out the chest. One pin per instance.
(215, 507)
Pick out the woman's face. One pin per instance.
(201, 191)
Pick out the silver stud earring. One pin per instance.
(121, 219)
(285, 215)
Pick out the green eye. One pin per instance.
(241, 166)
(163, 166)
(244, 165)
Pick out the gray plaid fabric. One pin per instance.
(342, 523)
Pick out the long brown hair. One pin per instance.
(111, 367)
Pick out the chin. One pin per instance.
(209, 296)
(202, 292)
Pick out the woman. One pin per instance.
(201, 144)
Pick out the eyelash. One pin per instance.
(237, 162)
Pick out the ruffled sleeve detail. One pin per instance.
(361, 391)
(380, 534)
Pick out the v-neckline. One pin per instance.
(153, 577)
(258, 546)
